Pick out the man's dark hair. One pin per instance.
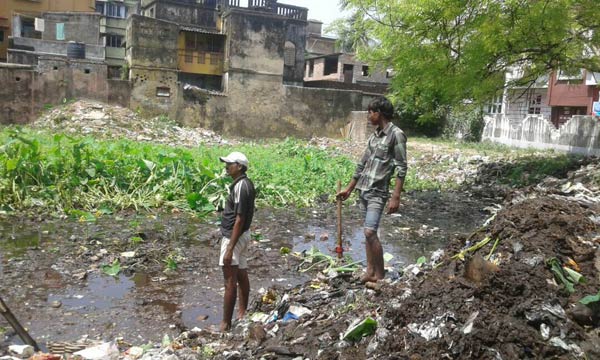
(383, 106)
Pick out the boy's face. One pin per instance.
(374, 118)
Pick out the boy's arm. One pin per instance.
(400, 168)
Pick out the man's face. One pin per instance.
(233, 169)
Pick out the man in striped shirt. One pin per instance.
(235, 228)
(384, 157)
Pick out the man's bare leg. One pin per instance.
(230, 276)
(244, 292)
(375, 270)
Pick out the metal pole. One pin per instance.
(12, 320)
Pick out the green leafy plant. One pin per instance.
(590, 299)
(112, 269)
(565, 275)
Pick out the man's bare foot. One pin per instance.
(225, 327)
(368, 278)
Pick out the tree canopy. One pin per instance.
(444, 52)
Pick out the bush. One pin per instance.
(465, 123)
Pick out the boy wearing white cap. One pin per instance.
(235, 228)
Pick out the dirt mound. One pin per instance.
(509, 302)
(85, 117)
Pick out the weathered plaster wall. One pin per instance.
(296, 34)
(53, 80)
(151, 42)
(580, 135)
(152, 57)
(119, 92)
(16, 93)
(80, 27)
(255, 42)
(259, 106)
(192, 14)
(150, 88)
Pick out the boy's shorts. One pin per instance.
(239, 251)
(372, 204)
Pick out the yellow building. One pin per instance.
(28, 10)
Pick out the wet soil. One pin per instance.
(52, 280)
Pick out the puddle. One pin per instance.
(40, 263)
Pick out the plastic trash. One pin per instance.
(359, 328)
(290, 316)
(103, 351)
(22, 351)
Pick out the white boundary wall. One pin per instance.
(579, 135)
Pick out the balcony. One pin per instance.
(200, 62)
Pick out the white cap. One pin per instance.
(235, 157)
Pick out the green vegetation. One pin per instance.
(87, 178)
(82, 176)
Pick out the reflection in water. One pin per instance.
(101, 292)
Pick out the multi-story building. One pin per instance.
(113, 25)
(17, 17)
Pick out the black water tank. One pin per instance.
(75, 50)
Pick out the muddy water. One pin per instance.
(51, 278)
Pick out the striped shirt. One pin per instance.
(240, 201)
(384, 156)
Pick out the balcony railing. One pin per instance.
(290, 11)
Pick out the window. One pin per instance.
(215, 58)
(112, 10)
(331, 66)
(311, 68)
(535, 105)
(60, 31)
(365, 70)
(495, 106)
(189, 57)
(113, 40)
(1, 36)
(201, 58)
(163, 91)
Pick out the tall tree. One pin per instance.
(444, 52)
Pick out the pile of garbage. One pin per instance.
(85, 117)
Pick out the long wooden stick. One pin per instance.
(12, 320)
(339, 250)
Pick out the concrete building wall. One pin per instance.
(119, 92)
(151, 42)
(80, 27)
(8, 9)
(580, 135)
(190, 13)
(155, 91)
(54, 79)
(46, 47)
(255, 43)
